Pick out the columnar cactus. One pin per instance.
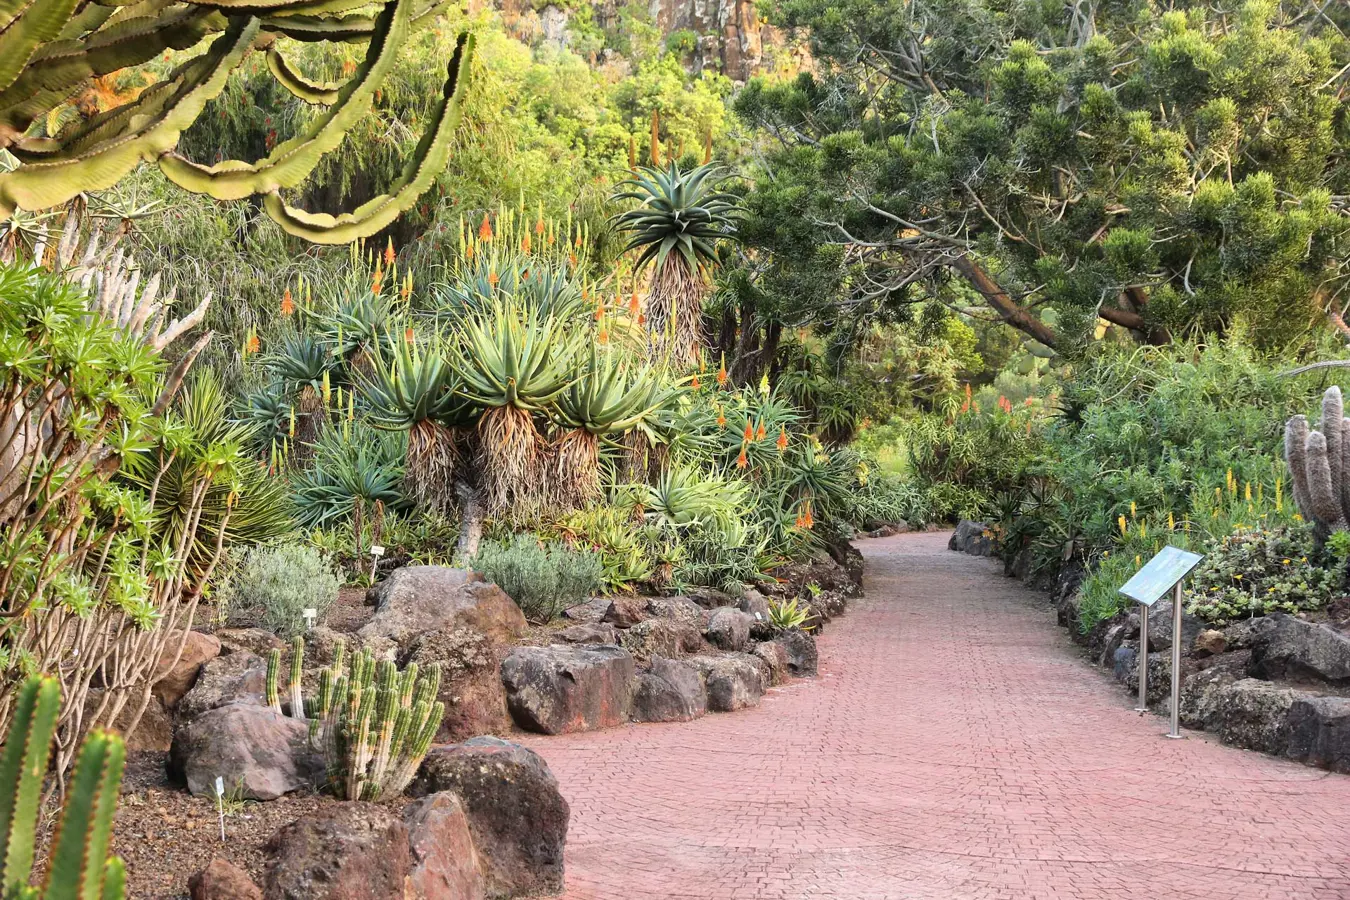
(378, 725)
(1319, 464)
(79, 867)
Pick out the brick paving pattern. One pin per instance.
(954, 746)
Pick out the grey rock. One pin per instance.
(258, 641)
(733, 681)
(1160, 628)
(591, 633)
(661, 637)
(238, 677)
(255, 749)
(729, 629)
(710, 598)
(969, 537)
(669, 691)
(775, 657)
(679, 608)
(593, 610)
(1286, 648)
(417, 599)
(341, 851)
(753, 602)
(1200, 693)
(1319, 731)
(1254, 714)
(800, 647)
(561, 689)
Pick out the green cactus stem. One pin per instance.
(273, 676)
(1319, 465)
(297, 675)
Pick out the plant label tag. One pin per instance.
(220, 786)
(376, 550)
(759, 617)
(309, 616)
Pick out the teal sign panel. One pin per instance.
(1151, 583)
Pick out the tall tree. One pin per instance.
(1052, 164)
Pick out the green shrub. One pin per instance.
(1256, 571)
(1100, 597)
(272, 586)
(543, 579)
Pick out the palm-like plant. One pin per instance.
(302, 364)
(414, 390)
(356, 328)
(609, 397)
(495, 272)
(679, 220)
(351, 468)
(512, 362)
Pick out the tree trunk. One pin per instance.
(1006, 307)
(471, 519)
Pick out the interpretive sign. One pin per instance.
(1160, 574)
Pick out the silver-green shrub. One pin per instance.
(543, 579)
(273, 585)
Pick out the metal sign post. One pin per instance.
(1159, 576)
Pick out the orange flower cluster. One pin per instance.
(805, 519)
(287, 304)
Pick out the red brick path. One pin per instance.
(954, 746)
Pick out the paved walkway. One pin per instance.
(954, 746)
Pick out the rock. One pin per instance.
(800, 648)
(670, 691)
(175, 674)
(445, 864)
(222, 880)
(625, 612)
(153, 733)
(1199, 707)
(733, 681)
(1210, 643)
(257, 751)
(679, 608)
(755, 604)
(341, 851)
(1253, 714)
(471, 684)
(593, 610)
(1159, 677)
(587, 634)
(775, 657)
(729, 629)
(237, 677)
(1160, 628)
(849, 558)
(557, 689)
(709, 598)
(1124, 664)
(1285, 648)
(321, 643)
(1319, 731)
(258, 641)
(417, 599)
(1111, 640)
(661, 637)
(972, 538)
(516, 813)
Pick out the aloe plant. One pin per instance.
(79, 867)
(48, 48)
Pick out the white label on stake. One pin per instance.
(220, 786)
(376, 550)
(758, 617)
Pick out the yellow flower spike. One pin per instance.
(1133, 511)
(1143, 529)
(1171, 523)
(1124, 529)
(1247, 492)
(1138, 560)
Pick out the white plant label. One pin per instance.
(376, 550)
(220, 786)
(309, 616)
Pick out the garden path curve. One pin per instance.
(955, 745)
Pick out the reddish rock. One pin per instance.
(670, 691)
(223, 880)
(561, 689)
(776, 658)
(341, 851)
(471, 684)
(587, 634)
(176, 673)
(662, 637)
(733, 681)
(625, 612)
(445, 864)
(517, 815)
(258, 641)
(417, 599)
(238, 677)
(255, 749)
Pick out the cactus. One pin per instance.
(378, 725)
(79, 867)
(1319, 465)
(52, 47)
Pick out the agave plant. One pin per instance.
(609, 397)
(414, 390)
(679, 220)
(684, 496)
(356, 328)
(512, 362)
(267, 412)
(352, 467)
(543, 286)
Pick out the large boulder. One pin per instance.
(592, 610)
(661, 637)
(800, 648)
(517, 815)
(471, 684)
(445, 863)
(679, 608)
(669, 691)
(775, 657)
(258, 641)
(222, 880)
(417, 599)
(1319, 731)
(256, 750)
(560, 689)
(341, 851)
(1160, 628)
(1254, 715)
(733, 681)
(176, 672)
(1285, 648)
(709, 598)
(729, 629)
(973, 538)
(756, 605)
(1200, 693)
(238, 677)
